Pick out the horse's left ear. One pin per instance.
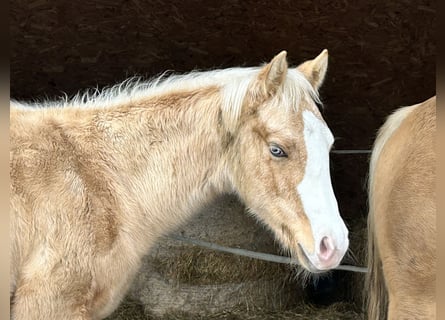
(315, 70)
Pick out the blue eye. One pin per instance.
(276, 151)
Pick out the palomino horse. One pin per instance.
(402, 216)
(97, 179)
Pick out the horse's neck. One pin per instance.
(169, 160)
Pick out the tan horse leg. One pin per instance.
(42, 300)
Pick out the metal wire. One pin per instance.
(255, 255)
(351, 151)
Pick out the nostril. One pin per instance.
(326, 248)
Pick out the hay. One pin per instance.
(129, 310)
(203, 282)
(240, 288)
(197, 266)
(337, 311)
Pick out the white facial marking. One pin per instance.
(315, 190)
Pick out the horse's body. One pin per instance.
(402, 216)
(94, 184)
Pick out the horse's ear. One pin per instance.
(272, 75)
(315, 70)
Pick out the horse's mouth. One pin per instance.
(307, 262)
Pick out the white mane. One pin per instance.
(234, 83)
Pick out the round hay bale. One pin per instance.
(177, 277)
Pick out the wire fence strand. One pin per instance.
(255, 255)
(351, 151)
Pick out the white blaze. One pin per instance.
(315, 190)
